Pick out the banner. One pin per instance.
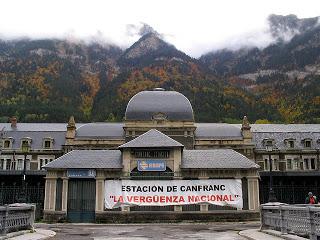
(222, 192)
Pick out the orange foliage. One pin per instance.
(37, 79)
(92, 83)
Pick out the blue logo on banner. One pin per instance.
(151, 165)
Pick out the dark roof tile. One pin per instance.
(88, 159)
(216, 159)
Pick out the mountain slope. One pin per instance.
(49, 80)
(284, 75)
(149, 49)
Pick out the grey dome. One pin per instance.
(171, 105)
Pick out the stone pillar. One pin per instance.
(204, 207)
(126, 162)
(238, 176)
(253, 193)
(203, 176)
(4, 164)
(125, 209)
(178, 208)
(100, 192)
(64, 194)
(176, 160)
(50, 191)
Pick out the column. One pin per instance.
(238, 176)
(125, 209)
(253, 193)
(64, 194)
(178, 208)
(50, 192)
(4, 164)
(203, 207)
(100, 192)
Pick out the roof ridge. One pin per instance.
(152, 142)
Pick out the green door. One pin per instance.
(81, 200)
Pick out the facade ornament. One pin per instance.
(245, 124)
(71, 123)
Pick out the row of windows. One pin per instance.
(43, 161)
(290, 143)
(152, 154)
(18, 164)
(47, 143)
(169, 133)
(290, 164)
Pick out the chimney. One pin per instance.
(13, 121)
(71, 131)
(245, 124)
(245, 129)
(71, 123)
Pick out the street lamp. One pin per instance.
(25, 150)
(272, 196)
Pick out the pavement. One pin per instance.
(183, 231)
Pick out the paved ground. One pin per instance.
(185, 231)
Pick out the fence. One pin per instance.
(301, 220)
(290, 194)
(34, 194)
(16, 217)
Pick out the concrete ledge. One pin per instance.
(145, 217)
(284, 236)
(256, 234)
(57, 216)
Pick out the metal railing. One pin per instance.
(16, 217)
(302, 220)
(34, 194)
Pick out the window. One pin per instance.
(307, 143)
(306, 164)
(152, 154)
(269, 143)
(20, 164)
(291, 144)
(43, 161)
(266, 164)
(6, 144)
(313, 163)
(289, 164)
(301, 165)
(1, 164)
(47, 144)
(296, 163)
(8, 165)
(275, 164)
(282, 166)
(26, 142)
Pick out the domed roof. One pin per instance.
(159, 104)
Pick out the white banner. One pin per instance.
(222, 192)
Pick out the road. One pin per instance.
(185, 231)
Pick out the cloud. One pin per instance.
(193, 27)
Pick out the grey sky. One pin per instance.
(193, 26)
